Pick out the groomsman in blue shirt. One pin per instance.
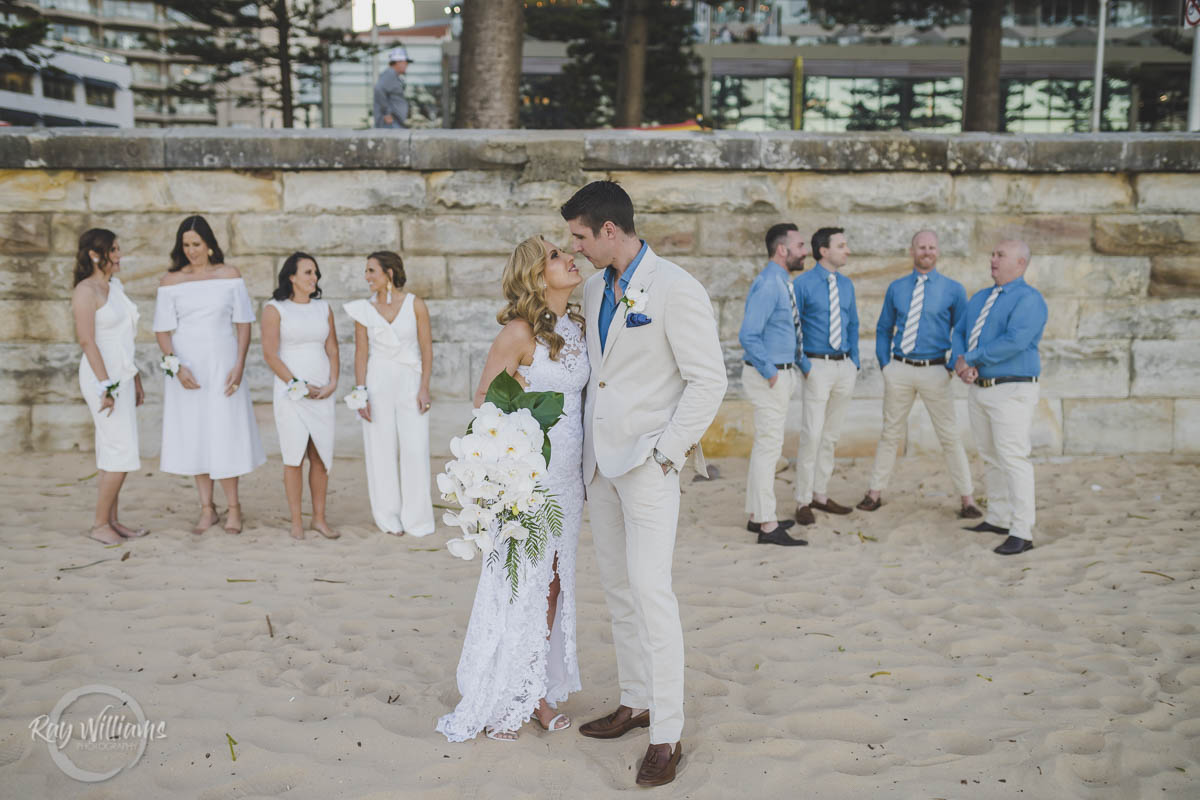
(829, 362)
(911, 343)
(769, 336)
(996, 351)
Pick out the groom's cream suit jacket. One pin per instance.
(657, 385)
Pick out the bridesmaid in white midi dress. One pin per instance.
(202, 316)
(393, 359)
(106, 324)
(300, 346)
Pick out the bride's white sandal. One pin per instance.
(554, 727)
(500, 736)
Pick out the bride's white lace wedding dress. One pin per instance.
(508, 664)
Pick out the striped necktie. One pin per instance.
(973, 342)
(913, 322)
(795, 319)
(835, 315)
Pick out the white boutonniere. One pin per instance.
(636, 300)
(357, 399)
(297, 389)
(170, 364)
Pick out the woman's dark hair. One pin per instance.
(198, 225)
(393, 265)
(97, 240)
(290, 267)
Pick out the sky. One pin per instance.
(397, 13)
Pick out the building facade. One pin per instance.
(136, 31)
(69, 87)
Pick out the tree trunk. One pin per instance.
(283, 26)
(489, 64)
(631, 69)
(982, 112)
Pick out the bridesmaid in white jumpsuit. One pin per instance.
(393, 359)
(300, 346)
(105, 324)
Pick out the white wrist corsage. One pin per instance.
(170, 364)
(356, 399)
(297, 389)
(108, 388)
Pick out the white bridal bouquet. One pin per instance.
(495, 478)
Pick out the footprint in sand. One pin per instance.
(961, 743)
(1080, 743)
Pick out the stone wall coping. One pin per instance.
(570, 152)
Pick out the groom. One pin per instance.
(658, 377)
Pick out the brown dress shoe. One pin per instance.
(970, 512)
(805, 516)
(658, 767)
(869, 504)
(831, 507)
(618, 723)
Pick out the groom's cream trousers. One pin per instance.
(633, 518)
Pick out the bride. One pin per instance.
(519, 658)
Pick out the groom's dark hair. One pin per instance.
(600, 202)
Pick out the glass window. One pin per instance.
(16, 80)
(124, 40)
(145, 72)
(58, 87)
(880, 104)
(103, 96)
(62, 32)
(131, 9)
(83, 6)
(1057, 105)
(752, 104)
(150, 102)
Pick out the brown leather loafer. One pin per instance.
(805, 516)
(831, 507)
(970, 512)
(618, 723)
(869, 504)
(658, 767)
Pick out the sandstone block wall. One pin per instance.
(1113, 222)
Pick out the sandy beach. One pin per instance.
(894, 657)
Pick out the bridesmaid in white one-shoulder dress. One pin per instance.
(106, 324)
(393, 360)
(300, 346)
(202, 316)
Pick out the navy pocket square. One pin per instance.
(636, 320)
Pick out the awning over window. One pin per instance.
(100, 83)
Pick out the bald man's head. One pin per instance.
(924, 251)
(1010, 259)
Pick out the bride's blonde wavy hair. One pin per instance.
(524, 287)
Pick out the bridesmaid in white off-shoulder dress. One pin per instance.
(106, 324)
(300, 346)
(202, 315)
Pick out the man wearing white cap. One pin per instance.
(391, 108)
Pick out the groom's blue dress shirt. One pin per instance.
(768, 334)
(944, 304)
(812, 300)
(1008, 343)
(608, 304)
